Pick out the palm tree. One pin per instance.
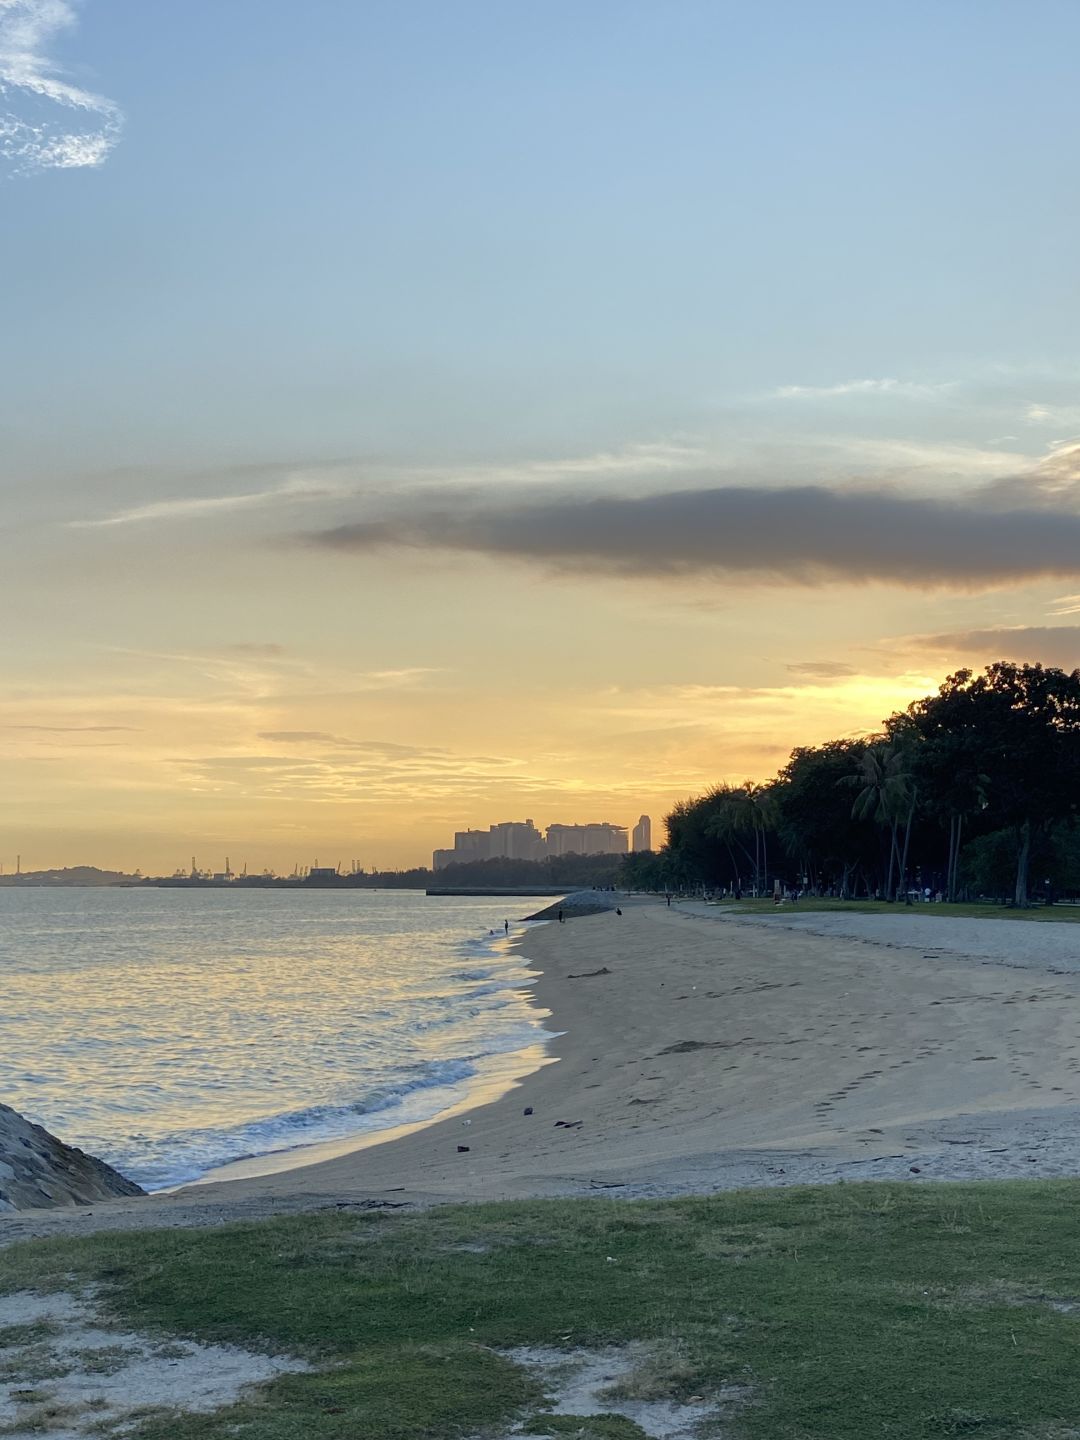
(744, 810)
(886, 794)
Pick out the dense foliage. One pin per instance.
(974, 790)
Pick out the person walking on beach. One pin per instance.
(560, 917)
(506, 927)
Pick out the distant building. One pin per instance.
(642, 837)
(601, 839)
(322, 872)
(517, 841)
(472, 845)
(510, 839)
(521, 840)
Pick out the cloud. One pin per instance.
(47, 123)
(1052, 644)
(902, 389)
(806, 535)
(73, 729)
(263, 649)
(341, 742)
(1054, 483)
(822, 669)
(1040, 414)
(198, 507)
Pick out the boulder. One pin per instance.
(37, 1170)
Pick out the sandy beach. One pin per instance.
(697, 1051)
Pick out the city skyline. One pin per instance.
(523, 840)
(573, 407)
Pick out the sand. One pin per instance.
(713, 1052)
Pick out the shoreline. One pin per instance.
(697, 1052)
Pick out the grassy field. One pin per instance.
(845, 1312)
(880, 907)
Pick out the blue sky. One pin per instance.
(325, 264)
(486, 227)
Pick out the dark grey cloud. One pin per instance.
(822, 669)
(1052, 644)
(808, 535)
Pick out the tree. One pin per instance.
(741, 811)
(813, 814)
(1020, 724)
(885, 797)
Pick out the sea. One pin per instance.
(171, 1032)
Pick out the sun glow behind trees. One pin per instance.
(989, 765)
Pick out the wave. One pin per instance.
(185, 1155)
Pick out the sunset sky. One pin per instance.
(421, 414)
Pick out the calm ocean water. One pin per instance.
(171, 1031)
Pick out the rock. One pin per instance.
(577, 904)
(38, 1170)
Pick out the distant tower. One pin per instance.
(642, 834)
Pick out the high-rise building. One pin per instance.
(602, 839)
(642, 838)
(472, 845)
(517, 841)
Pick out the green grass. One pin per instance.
(987, 911)
(901, 1312)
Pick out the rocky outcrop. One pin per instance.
(578, 903)
(38, 1171)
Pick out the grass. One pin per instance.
(902, 1312)
(983, 911)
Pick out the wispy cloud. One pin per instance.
(46, 122)
(822, 669)
(1062, 415)
(200, 507)
(901, 389)
(73, 729)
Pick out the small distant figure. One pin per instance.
(560, 917)
(617, 910)
(668, 899)
(506, 927)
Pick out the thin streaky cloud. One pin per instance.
(901, 389)
(47, 123)
(822, 669)
(74, 729)
(199, 507)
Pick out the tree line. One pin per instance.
(974, 790)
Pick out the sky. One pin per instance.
(414, 416)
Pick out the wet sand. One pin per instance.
(712, 1053)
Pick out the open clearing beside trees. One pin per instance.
(828, 1313)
